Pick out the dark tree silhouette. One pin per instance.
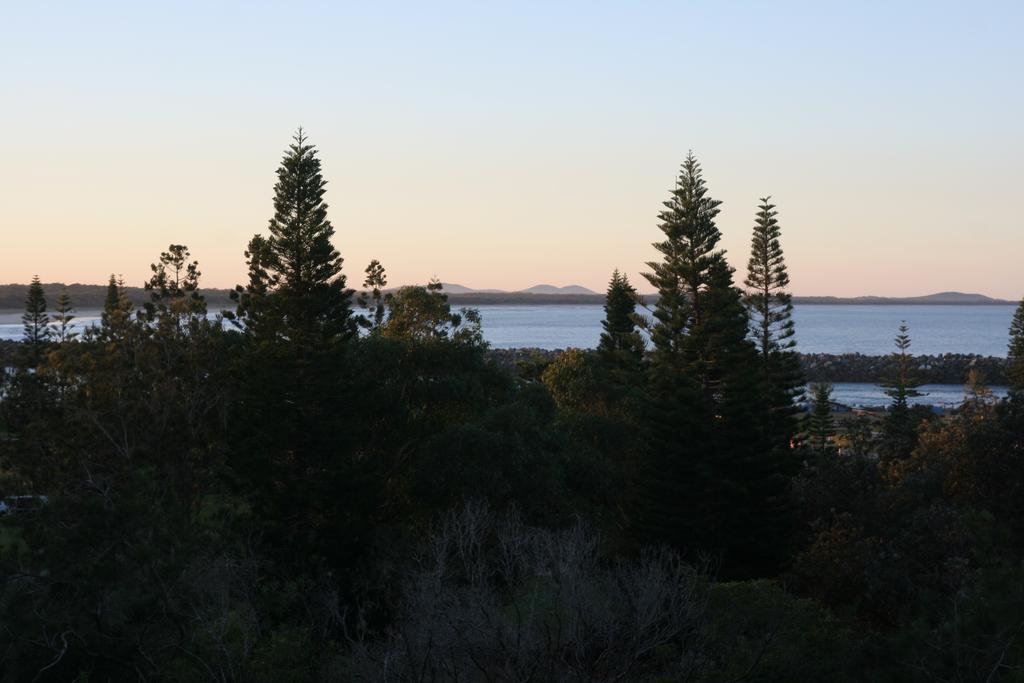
(1015, 371)
(771, 324)
(35, 321)
(620, 338)
(296, 289)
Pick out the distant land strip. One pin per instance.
(91, 297)
(941, 299)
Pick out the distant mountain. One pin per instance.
(960, 298)
(453, 288)
(551, 289)
(523, 298)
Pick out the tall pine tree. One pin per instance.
(113, 297)
(770, 308)
(64, 315)
(35, 321)
(296, 314)
(689, 258)
(821, 427)
(1015, 356)
(117, 307)
(900, 426)
(714, 482)
(767, 298)
(296, 290)
(373, 297)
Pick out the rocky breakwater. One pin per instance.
(950, 368)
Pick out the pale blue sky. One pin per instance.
(502, 146)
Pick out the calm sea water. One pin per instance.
(864, 395)
(819, 329)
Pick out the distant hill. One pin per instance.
(526, 298)
(551, 289)
(452, 288)
(957, 298)
(91, 297)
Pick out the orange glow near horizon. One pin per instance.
(451, 151)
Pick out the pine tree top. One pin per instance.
(767, 298)
(691, 264)
(296, 288)
(35, 321)
(903, 384)
(300, 230)
(620, 335)
(688, 219)
(1015, 353)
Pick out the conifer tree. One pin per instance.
(689, 257)
(64, 315)
(174, 289)
(374, 299)
(117, 307)
(111, 302)
(715, 481)
(620, 339)
(35, 321)
(1015, 356)
(901, 387)
(767, 298)
(770, 308)
(296, 289)
(820, 425)
(113, 295)
(700, 322)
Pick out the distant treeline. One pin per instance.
(91, 297)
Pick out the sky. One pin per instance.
(510, 144)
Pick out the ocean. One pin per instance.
(820, 328)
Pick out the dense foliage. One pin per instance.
(311, 491)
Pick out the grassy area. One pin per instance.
(11, 539)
